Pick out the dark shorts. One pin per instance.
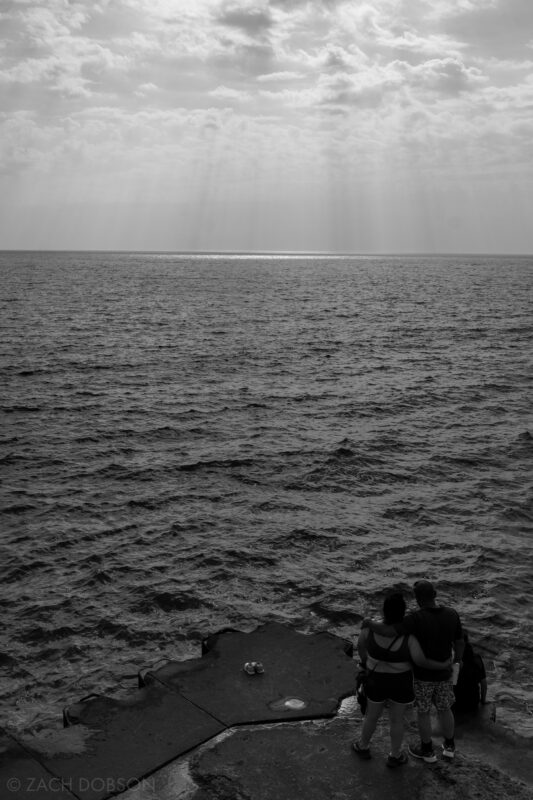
(398, 687)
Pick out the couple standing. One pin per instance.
(421, 643)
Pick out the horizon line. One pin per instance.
(292, 253)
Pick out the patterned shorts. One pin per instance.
(440, 693)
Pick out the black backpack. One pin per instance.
(467, 689)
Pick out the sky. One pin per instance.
(263, 125)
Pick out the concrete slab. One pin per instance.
(305, 760)
(314, 760)
(306, 676)
(174, 781)
(480, 736)
(23, 777)
(225, 771)
(129, 739)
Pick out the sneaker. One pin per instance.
(425, 752)
(448, 751)
(362, 752)
(397, 761)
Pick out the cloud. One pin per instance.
(448, 76)
(363, 90)
(336, 58)
(289, 5)
(226, 93)
(27, 144)
(274, 77)
(154, 95)
(146, 89)
(492, 27)
(414, 47)
(46, 24)
(252, 21)
(370, 86)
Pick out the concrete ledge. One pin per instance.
(306, 676)
(183, 704)
(23, 777)
(314, 760)
(129, 739)
(173, 733)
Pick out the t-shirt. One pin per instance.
(436, 628)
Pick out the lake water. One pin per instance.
(193, 442)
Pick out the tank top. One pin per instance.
(383, 654)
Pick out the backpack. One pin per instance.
(467, 690)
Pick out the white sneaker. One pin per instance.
(448, 751)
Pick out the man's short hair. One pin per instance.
(424, 591)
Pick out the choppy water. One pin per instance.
(192, 442)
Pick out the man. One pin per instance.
(438, 630)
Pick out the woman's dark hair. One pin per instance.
(394, 608)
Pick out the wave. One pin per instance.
(230, 460)
(166, 601)
(21, 409)
(19, 508)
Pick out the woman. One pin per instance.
(388, 660)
